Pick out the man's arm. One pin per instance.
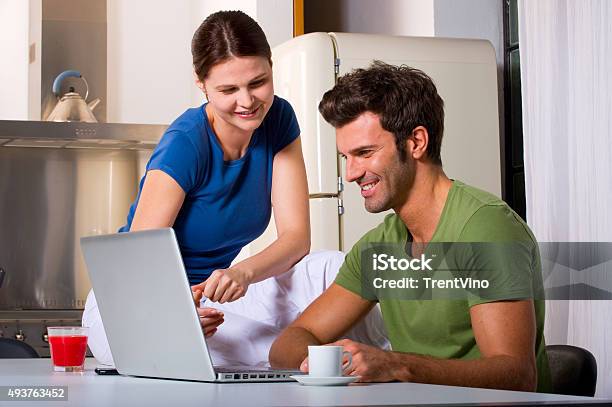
(505, 334)
(324, 321)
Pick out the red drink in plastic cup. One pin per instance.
(68, 347)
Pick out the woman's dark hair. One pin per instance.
(227, 34)
(402, 97)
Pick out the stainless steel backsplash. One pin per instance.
(49, 198)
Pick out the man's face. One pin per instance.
(373, 161)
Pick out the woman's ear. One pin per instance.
(197, 80)
(199, 84)
(419, 140)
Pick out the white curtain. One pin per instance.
(566, 65)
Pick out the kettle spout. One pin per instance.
(92, 105)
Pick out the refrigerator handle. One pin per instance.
(322, 195)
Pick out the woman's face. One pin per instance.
(240, 91)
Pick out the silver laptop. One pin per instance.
(147, 309)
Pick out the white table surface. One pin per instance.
(93, 390)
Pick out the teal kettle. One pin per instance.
(71, 107)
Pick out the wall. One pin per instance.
(392, 17)
(149, 69)
(150, 76)
(274, 16)
(14, 25)
(276, 19)
(20, 97)
(35, 60)
(471, 19)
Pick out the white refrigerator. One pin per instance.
(465, 74)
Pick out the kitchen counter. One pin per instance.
(87, 388)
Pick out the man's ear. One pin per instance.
(417, 143)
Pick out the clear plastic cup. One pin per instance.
(68, 347)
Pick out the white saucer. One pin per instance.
(308, 380)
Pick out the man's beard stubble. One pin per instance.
(398, 180)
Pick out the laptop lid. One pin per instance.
(146, 304)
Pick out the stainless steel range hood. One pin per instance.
(17, 133)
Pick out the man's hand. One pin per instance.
(372, 364)
(223, 285)
(326, 319)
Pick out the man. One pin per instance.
(389, 123)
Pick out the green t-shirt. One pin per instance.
(442, 327)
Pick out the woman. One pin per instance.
(220, 168)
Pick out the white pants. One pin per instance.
(254, 321)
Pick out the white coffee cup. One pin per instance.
(326, 361)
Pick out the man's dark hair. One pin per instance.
(227, 34)
(402, 97)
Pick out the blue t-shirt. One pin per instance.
(227, 203)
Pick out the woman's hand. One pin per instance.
(210, 319)
(223, 285)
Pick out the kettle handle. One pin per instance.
(57, 83)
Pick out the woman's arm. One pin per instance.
(292, 218)
(160, 200)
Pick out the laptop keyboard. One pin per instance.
(243, 369)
